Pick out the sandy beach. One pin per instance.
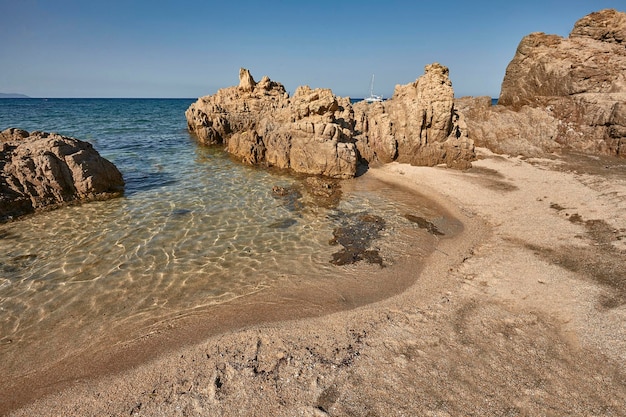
(521, 313)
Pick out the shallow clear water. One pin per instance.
(194, 229)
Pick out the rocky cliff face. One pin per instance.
(42, 170)
(562, 92)
(315, 132)
(592, 60)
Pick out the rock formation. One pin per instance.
(261, 124)
(418, 125)
(42, 170)
(561, 93)
(315, 132)
(529, 131)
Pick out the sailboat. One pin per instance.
(373, 98)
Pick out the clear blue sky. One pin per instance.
(141, 48)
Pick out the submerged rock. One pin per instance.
(283, 223)
(41, 170)
(309, 191)
(323, 192)
(356, 237)
(290, 197)
(422, 223)
(260, 124)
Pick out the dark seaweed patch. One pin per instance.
(289, 197)
(17, 263)
(180, 212)
(602, 262)
(283, 224)
(422, 223)
(356, 236)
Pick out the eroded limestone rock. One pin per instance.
(41, 170)
(418, 125)
(316, 132)
(561, 93)
(529, 131)
(260, 124)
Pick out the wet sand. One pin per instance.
(350, 285)
(522, 312)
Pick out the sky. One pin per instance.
(192, 48)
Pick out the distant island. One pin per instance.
(13, 95)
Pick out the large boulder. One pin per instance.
(419, 125)
(592, 60)
(529, 131)
(260, 124)
(315, 132)
(563, 92)
(41, 170)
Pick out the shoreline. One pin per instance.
(294, 299)
(499, 320)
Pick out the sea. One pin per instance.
(195, 229)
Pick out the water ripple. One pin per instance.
(194, 229)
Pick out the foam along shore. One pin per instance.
(522, 313)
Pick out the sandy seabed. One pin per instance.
(523, 313)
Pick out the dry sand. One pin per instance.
(521, 314)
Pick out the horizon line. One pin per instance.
(25, 97)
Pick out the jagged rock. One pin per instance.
(418, 125)
(41, 170)
(591, 60)
(562, 92)
(261, 124)
(315, 132)
(246, 82)
(606, 25)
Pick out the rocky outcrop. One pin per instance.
(315, 132)
(529, 131)
(44, 170)
(562, 92)
(260, 124)
(419, 125)
(590, 61)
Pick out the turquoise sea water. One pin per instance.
(194, 229)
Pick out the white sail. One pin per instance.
(373, 97)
